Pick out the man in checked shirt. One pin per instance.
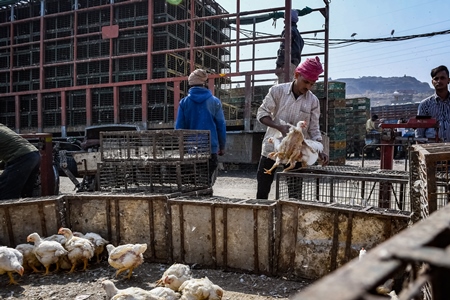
(437, 106)
(289, 102)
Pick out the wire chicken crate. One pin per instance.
(155, 145)
(364, 187)
(154, 161)
(153, 177)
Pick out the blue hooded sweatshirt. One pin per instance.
(200, 110)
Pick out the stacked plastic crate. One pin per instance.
(336, 128)
(156, 161)
(357, 114)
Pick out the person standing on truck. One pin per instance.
(437, 106)
(297, 44)
(22, 162)
(200, 110)
(289, 102)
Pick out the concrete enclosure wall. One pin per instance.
(316, 238)
(297, 239)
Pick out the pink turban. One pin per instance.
(310, 69)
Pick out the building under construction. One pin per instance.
(65, 65)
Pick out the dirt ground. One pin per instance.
(231, 183)
(87, 284)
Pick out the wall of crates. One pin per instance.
(357, 114)
(336, 126)
(234, 106)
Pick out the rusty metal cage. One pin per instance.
(364, 187)
(153, 177)
(155, 145)
(430, 166)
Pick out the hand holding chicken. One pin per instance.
(292, 148)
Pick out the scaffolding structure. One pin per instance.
(65, 65)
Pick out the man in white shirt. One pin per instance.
(289, 102)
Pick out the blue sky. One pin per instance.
(370, 19)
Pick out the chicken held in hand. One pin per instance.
(310, 152)
(126, 257)
(288, 151)
(11, 260)
(294, 148)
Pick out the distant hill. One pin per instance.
(385, 85)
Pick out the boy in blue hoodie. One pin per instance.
(200, 110)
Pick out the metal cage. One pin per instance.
(151, 177)
(365, 187)
(155, 145)
(154, 161)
